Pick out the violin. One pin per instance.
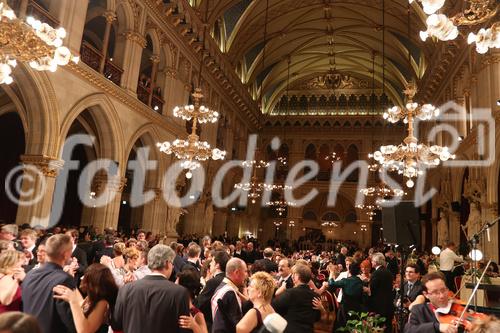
(459, 313)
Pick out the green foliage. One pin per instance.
(363, 322)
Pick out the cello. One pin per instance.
(459, 313)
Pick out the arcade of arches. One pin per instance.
(317, 76)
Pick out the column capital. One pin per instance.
(49, 166)
(113, 183)
(155, 58)
(135, 37)
(110, 16)
(171, 72)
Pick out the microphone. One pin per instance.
(274, 323)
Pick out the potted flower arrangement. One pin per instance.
(363, 322)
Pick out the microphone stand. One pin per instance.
(474, 240)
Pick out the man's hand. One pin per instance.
(448, 328)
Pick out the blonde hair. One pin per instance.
(9, 259)
(28, 233)
(264, 283)
(119, 248)
(489, 325)
(131, 253)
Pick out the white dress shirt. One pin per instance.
(447, 258)
(342, 275)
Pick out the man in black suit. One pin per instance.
(412, 287)
(226, 302)
(295, 304)
(152, 304)
(79, 254)
(53, 315)
(251, 254)
(27, 238)
(268, 263)
(218, 266)
(104, 248)
(341, 257)
(285, 273)
(423, 316)
(392, 263)
(193, 259)
(381, 292)
(238, 251)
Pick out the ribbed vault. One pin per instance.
(318, 36)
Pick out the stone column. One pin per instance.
(131, 50)
(155, 59)
(71, 15)
(455, 228)
(37, 189)
(169, 90)
(152, 213)
(491, 248)
(107, 216)
(110, 17)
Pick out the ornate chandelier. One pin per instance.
(193, 151)
(32, 41)
(280, 204)
(254, 187)
(476, 12)
(411, 157)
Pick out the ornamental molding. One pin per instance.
(135, 37)
(122, 95)
(49, 166)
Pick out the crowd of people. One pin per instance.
(63, 280)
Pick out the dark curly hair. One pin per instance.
(98, 283)
(189, 278)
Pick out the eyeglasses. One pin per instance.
(438, 292)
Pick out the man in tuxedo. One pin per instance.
(105, 248)
(218, 267)
(193, 259)
(238, 251)
(268, 263)
(423, 317)
(285, 272)
(412, 287)
(341, 257)
(251, 254)
(28, 238)
(152, 304)
(178, 260)
(392, 263)
(53, 315)
(381, 292)
(79, 254)
(295, 304)
(226, 302)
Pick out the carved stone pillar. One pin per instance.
(111, 187)
(455, 228)
(37, 189)
(491, 248)
(110, 17)
(155, 59)
(170, 75)
(131, 51)
(152, 217)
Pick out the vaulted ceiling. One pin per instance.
(318, 36)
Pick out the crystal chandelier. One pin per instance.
(329, 224)
(32, 41)
(280, 204)
(476, 12)
(411, 157)
(193, 151)
(253, 187)
(369, 209)
(381, 191)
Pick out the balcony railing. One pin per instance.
(92, 57)
(143, 94)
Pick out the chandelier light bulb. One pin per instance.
(432, 6)
(189, 175)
